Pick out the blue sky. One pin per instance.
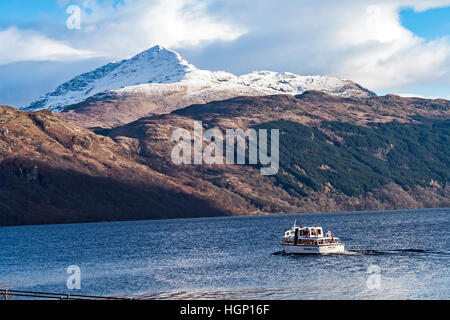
(430, 24)
(389, 46)
(25, 12)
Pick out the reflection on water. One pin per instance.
(235, 257)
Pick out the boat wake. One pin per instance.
(378, 252)
(397, 251)
(282, 253)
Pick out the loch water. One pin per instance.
(401, 254)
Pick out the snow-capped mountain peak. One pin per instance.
(159, 57)
(155, 65)
(158, 66)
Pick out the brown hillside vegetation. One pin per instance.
(150, 138)
(52, 171)
(111, 110)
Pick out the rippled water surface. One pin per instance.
(235, 257)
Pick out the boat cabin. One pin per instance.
(310, 240)
(307, 232)
(309, 236)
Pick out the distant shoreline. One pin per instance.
(237, 216)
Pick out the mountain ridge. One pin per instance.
(157, 67)
(336, 154)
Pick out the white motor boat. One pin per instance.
(310, 240)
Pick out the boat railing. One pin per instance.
(312, 240)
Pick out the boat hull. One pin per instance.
(313, 249)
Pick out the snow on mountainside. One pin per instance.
(148, 71)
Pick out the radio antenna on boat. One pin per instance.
(295, 222)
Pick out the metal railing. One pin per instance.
(6, 294)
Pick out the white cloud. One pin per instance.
(128, 28)
(23, 45)
(120, 30)
(376, 50)
(360, 40)
(420, 5)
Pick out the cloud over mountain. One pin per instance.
(360, 40)
(25, 45)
